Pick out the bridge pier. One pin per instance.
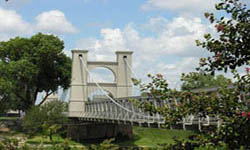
(82, 131)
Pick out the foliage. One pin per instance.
(195, 80)
(8, 118)
(230, 105)
(9, 144)
(7, 100)
(158, 89)
(32, 65)
(14, 144)
(105, 145)
(232, 48)
(64, 146)
(46, 119)
(192, 145)
(50, 129)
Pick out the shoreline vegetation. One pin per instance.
(142, 138)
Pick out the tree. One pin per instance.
(6, 96)
(32, 65)
(230, 105)
(232, 48)
(46, 119)
(195, 80)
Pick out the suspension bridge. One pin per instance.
(115, 105)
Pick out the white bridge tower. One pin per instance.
(80, 87)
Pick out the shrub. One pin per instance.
(46, 119)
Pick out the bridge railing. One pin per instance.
(106, 110)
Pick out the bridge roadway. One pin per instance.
(128, 112)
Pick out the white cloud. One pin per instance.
(174, 39)
(179, 5)
(54, 21)
(12, 24)
(101, 74)
(112, 40)
(173, 72)
(156, 24)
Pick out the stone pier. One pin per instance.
(91, 131)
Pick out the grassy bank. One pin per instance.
(8, 118)
(154, 136)
(142, 137)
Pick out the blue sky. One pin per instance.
(87, 16)
(160, 32)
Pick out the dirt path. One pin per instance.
(2, 132)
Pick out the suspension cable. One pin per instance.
(133, 72)
(119, 105)
(130, 68)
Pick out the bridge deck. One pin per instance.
(129, 113)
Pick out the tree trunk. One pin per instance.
(35, 95)
(44, 99)
(50, 136)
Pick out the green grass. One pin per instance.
(149, 137)
(37, 140)
(45, 140)
(142, 137)
(8, 118)
(153, 137)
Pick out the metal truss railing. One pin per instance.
(107, 111)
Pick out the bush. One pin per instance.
(9, 144)
(105, 145)
(46, 119)
(13, 144)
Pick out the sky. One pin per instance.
(161, 33)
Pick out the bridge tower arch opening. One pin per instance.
(102, 75)
(81, 87)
